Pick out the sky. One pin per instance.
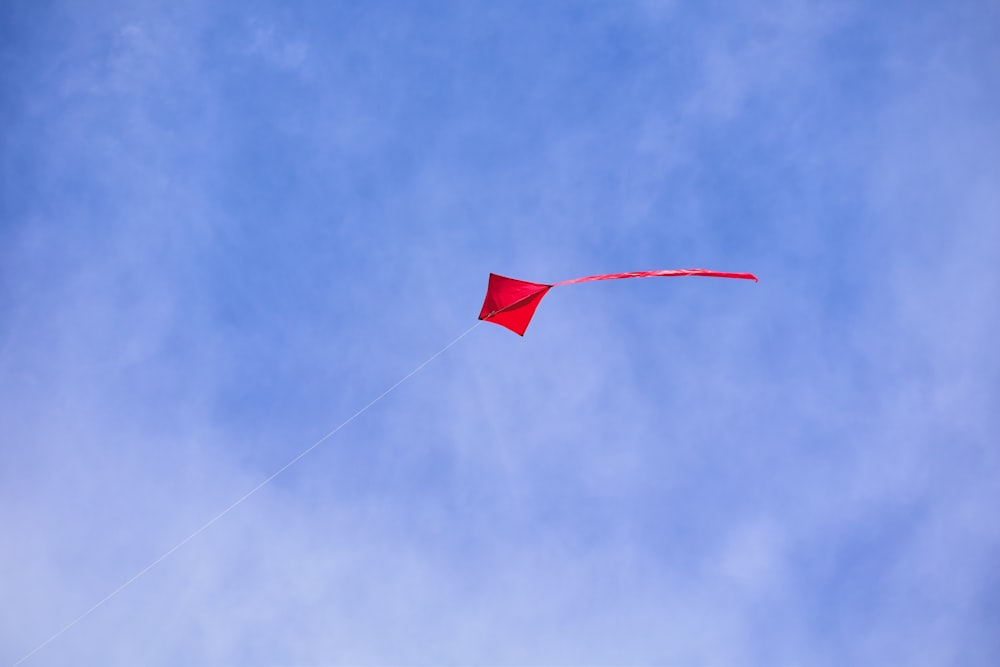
(226, 227)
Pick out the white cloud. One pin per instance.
(796, 471)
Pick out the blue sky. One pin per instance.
(225, 227)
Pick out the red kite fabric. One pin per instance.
(511, 303)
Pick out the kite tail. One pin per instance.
(668, 273)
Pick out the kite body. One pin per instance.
(511, 303)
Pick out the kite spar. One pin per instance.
(511, 303)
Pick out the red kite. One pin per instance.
(511, 303)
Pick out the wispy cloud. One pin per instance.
(222, 236)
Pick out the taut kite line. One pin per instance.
(511, 303)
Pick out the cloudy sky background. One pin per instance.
(225, 227)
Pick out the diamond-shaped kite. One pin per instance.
(511, 303)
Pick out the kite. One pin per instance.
(511, 303)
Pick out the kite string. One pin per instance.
(246, 495)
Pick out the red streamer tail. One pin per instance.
(667, 273)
